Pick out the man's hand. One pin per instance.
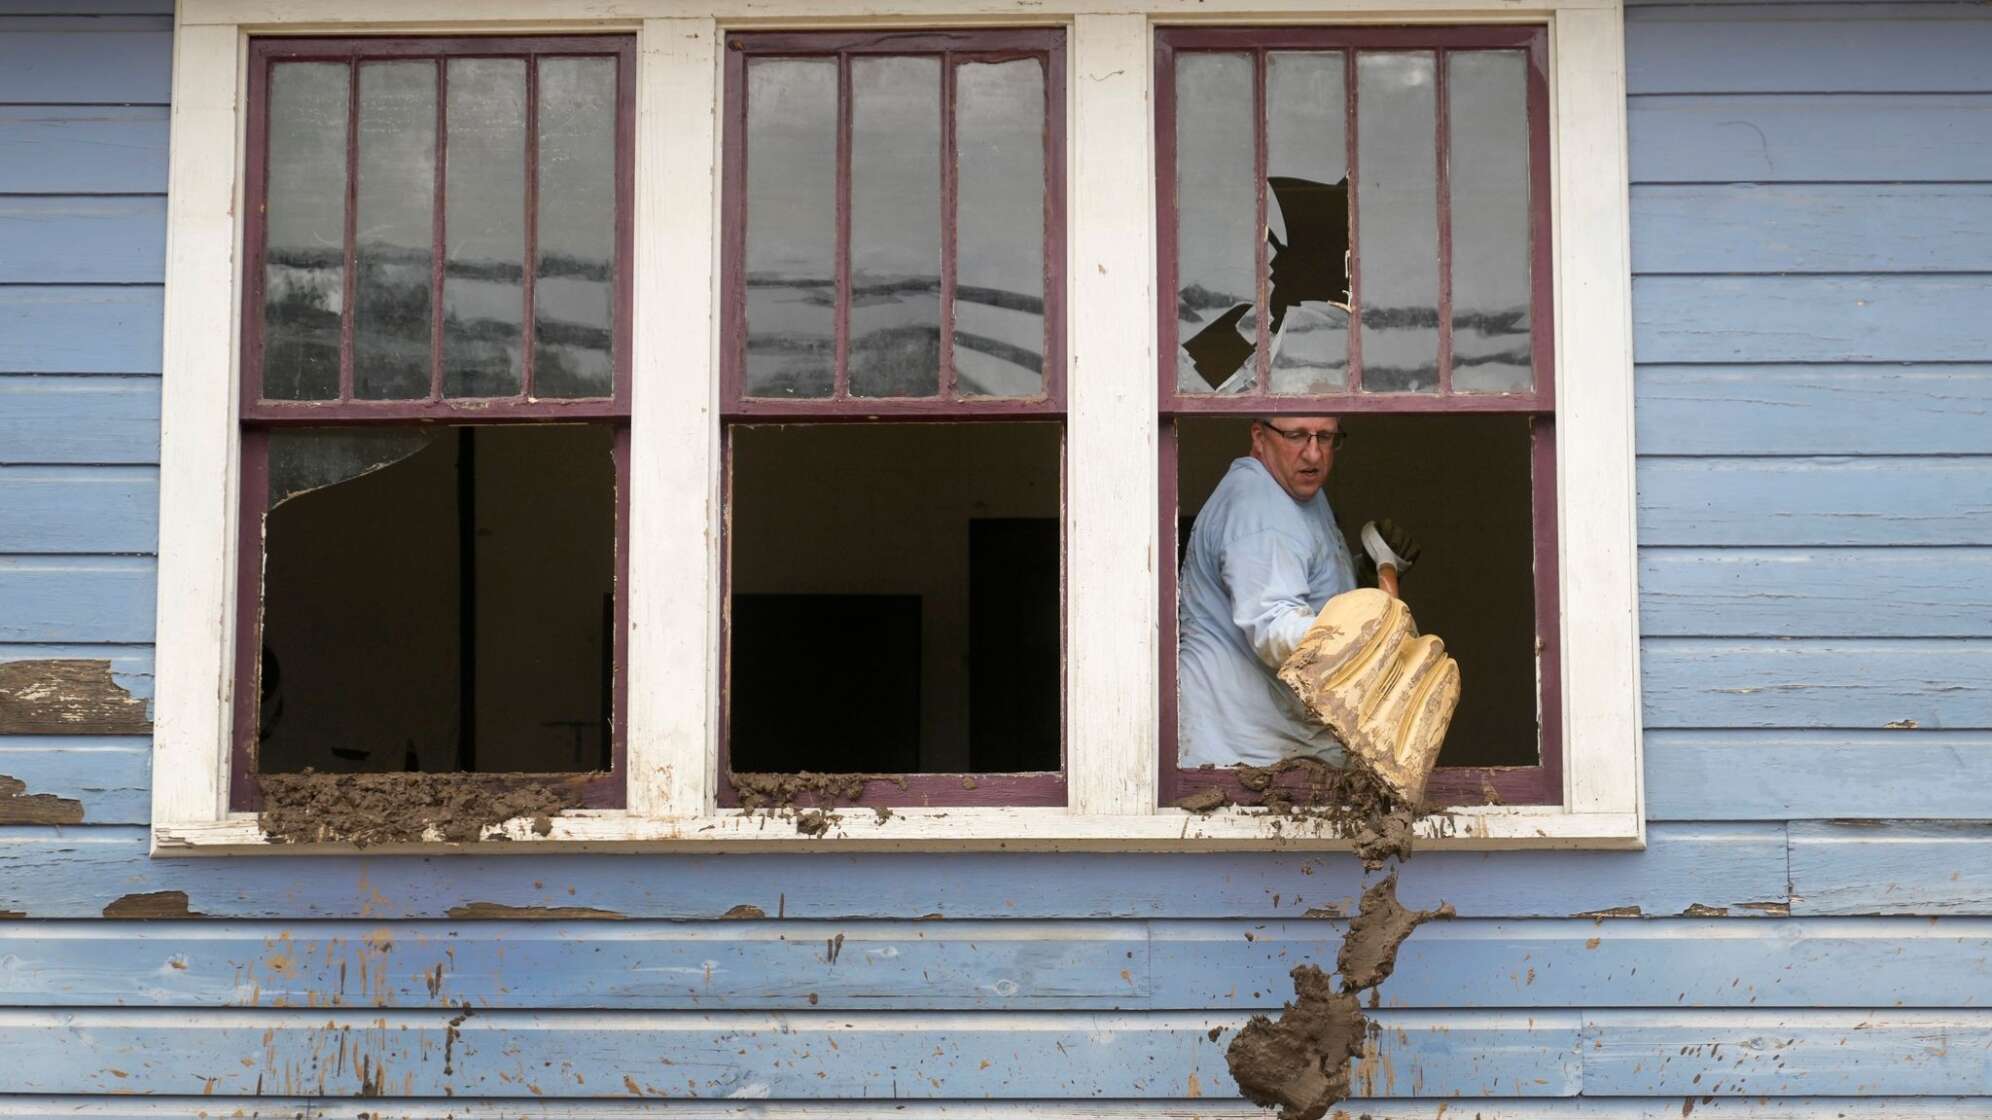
(1400, 542)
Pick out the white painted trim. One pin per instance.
(1112, 605)
(987, 829)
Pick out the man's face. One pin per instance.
(1297, 450)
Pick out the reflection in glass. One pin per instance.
(1216, 212)
(1308, 221)
(484, 229)
(394, 225)
(1397, 227)
(895, 347)
(574, 281)
(999, 223)
(1489, 176)
(305, 231)
(791, 227)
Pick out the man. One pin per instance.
(1264, 557)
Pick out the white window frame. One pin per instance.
(1112, 615)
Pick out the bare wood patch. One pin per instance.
(152, 904)
(497, 910)
(67, 697)
(18, 806)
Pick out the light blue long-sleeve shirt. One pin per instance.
(1260, 566)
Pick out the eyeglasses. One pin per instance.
(1298, 440)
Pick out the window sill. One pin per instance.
(976, 829)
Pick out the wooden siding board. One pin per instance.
(93, 599)
(80, 329)
(1874, 318)
(1792, 775)
(46, 418)
(1765, 138)
(1165, 965)
(75, 872)
(56, 510)
(1616, 962)
(1740, 502)
(1887, 867)
(109, 775)
(82, 149)
(1812, 227)
(1895, 592)
(1822, 683)
(84, 239)
(950, 1055)
(1783, 48)
(115, 60)
(1787, 1053)
(1853, 409)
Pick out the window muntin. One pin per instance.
(895, 223)
(1260, 314)
(440, 233)
(893, 253)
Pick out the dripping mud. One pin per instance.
(1299, 1063)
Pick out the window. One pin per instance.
(892, 385)
(434, 438)
(1356, 222)
(944, 395)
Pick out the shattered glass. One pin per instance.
(1308, 221)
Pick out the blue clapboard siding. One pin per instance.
(1890, 592)
(1164, 965)
(82, 239)
(1905, 500)
(1812, 227)
(1785, 49)
(1823, 683)
(1851, 409)
(62, 509)
(270, 1107)
(89, 599)
(1892, 867)
(46, 418)
(86, 60)
(80, 329)
(74, 872)
(131, 665)
(82, 149)
(1785, 138)
(876, 1055)
(1878, 318)
(108, 774)
(1799, 775)
(1638, 1053)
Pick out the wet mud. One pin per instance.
(364, 809)
(806, 797)
(1299, 1063)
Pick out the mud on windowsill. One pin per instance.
(807, 797)
(364, 809)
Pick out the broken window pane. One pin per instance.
(895, 347)
(1489, 178)
(438, 599)
(395, 230)
(1216, 215)
(1308, 221)
(484, 229)
(305, 230)
(999, 239)
(791, 216)
(894, 598)
(1397, 219)
(574, 284)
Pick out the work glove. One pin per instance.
(1399, 540)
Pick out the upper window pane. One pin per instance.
(1353, 215)
(501, 157)
(896, 198)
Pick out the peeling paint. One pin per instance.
(477, 910)
(68, 697)
(18, 806)
(151, 904)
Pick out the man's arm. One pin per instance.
(1265, 575)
